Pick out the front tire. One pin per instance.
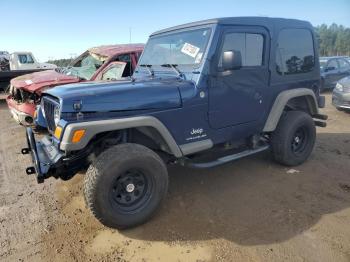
(294, 138)
(125, 185)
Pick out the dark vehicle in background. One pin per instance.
(109, 62)
(341, 94)
(203, 94)
(333, 69)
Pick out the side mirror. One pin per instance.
(231, 60)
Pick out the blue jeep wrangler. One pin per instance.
(203, 94)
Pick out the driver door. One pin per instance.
(238, 96)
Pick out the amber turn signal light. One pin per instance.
(58, 132)
(78, 135)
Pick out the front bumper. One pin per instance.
(45, 156)
(21, 118)
(49, 161)
(341, 99)
(22, 112)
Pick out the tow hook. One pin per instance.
(25, 151)
(30, 170)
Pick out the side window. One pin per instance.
(250, 45)
(115, 72)
(343, 63)
(295, 52)
(332, 65)
(25, 59)
(127, 59)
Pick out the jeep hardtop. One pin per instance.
(203, 94)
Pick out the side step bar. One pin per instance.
(225, 159)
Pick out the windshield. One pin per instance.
(184, 48)
(85, 66)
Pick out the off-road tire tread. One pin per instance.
(94, 173)
(278, 140)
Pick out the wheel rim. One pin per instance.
(299, 140)
(130, 190)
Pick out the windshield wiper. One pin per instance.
(149, 68)
(174, 67)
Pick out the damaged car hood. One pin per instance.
(36, 82)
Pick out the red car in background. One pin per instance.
(112, 62)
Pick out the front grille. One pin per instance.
(49, 109)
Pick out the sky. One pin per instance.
(65, 28)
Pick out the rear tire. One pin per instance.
(294, 138)
(125, 185)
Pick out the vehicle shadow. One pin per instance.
(254, 200)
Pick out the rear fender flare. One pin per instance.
(281, 102)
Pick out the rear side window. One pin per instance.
(250, 45)
(295, 52)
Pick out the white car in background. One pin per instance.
(17, 64)
(26, 61)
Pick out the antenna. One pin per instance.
(129, 35)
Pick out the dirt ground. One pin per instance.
(248, 210)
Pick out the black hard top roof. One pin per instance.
(267, 22)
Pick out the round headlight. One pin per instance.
(57, 114)
(339, 87)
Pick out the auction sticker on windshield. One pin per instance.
(190, 50)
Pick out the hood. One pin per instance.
(36, 82)
(121, 96)
(345, 82)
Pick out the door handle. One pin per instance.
(258, 97)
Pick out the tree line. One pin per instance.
(334, 40)
(61, 62)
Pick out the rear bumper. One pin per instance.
(23, 113)
(340, 99)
